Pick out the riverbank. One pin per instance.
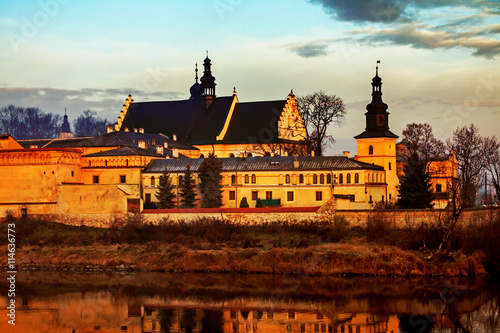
(217, 246)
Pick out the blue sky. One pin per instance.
(439, 58)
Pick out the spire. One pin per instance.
(196, 70)
(65, 128)
(196, 90)
(377, 117)
(208, 83)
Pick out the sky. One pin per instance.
(439, 58)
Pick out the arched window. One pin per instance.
(328, 178)
(356, 178)
(254, 179)
(153, 183)
(247, 179)
(315, 179)
(250, 155)
(231, 155)
(233, 179)
(180, 180)
(370, 150)
(301, 179)
(321, 179)
(377, 178)
(202, 156)
(341, 179)
(287, 179)
(348, 178)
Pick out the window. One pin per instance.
(321, 179)
(269, 195)
(370, 199)
(341, 179)
(289, 196)
(247, 179)
(72, 173)
(254, 179)
(438, 188)
(287, 179)
(123, 179)
(319, 196)
(356, 178)
(328, 178)
(390, 196)
(315, 179)
(95, 179)
(180, 180)
(390, 166)
(148, 197)
(233, 179)
(301, 179)
(383, 199)
(153, 182)
(232, 195)
(291, 315)
(370, 150)
(348, 178)
(255, 195)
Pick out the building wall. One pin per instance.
(95, 199)
(303, 194)
(384, 154)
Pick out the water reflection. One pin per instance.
(194, 303)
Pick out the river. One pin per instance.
(162, 302)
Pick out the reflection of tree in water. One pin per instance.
(415, 324)
(166, 317)
(212, 322)
(487, 317)
(188, 322)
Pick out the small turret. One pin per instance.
(65, 128)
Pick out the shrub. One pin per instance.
(244, 203)
(258, 203)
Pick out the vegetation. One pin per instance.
(29, 123)
(415, 190)
(210, 182)
(165, 194)
(187, 193)
(319, 111)
(89, 125)
(310, 248)
(244, 203)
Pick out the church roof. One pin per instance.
(255, 122)
(187, 119)
(125, 151)
(276, 163)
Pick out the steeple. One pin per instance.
(208, 83)
(377, 117)
(65, 128)
(196, 90)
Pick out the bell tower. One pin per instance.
(377, 144)
(207, 83)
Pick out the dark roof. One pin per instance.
(255, 122)
(54, 143)
(266, 163)
(187, 119)
(376, 134)
(125, 151)
(131, 139)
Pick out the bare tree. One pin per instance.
(90, 125)
(420, 139)
(492, 161)
(319, 111)
(29, 123)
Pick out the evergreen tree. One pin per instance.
(244, 203)
(187, 193)
(210, 179)
(165, 193)
(415, 190)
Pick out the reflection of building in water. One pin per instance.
(230, 320)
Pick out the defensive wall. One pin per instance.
(391, 218)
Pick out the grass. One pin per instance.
(220, 246)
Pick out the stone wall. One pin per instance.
(245, 216)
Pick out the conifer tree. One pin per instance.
(165, 193)
(210, 179)
(415, 190)
(187, 193)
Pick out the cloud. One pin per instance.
(420, 36)
(386, 11)
(311, 49)
(107, 102)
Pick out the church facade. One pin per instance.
(261, 146)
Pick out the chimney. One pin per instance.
(346, 153)
(110, 129)
(141, 130)
(296, 164)
(135, 130)
(174, 137)
(159, 150)
(126, 129)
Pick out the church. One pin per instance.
(261, 145)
